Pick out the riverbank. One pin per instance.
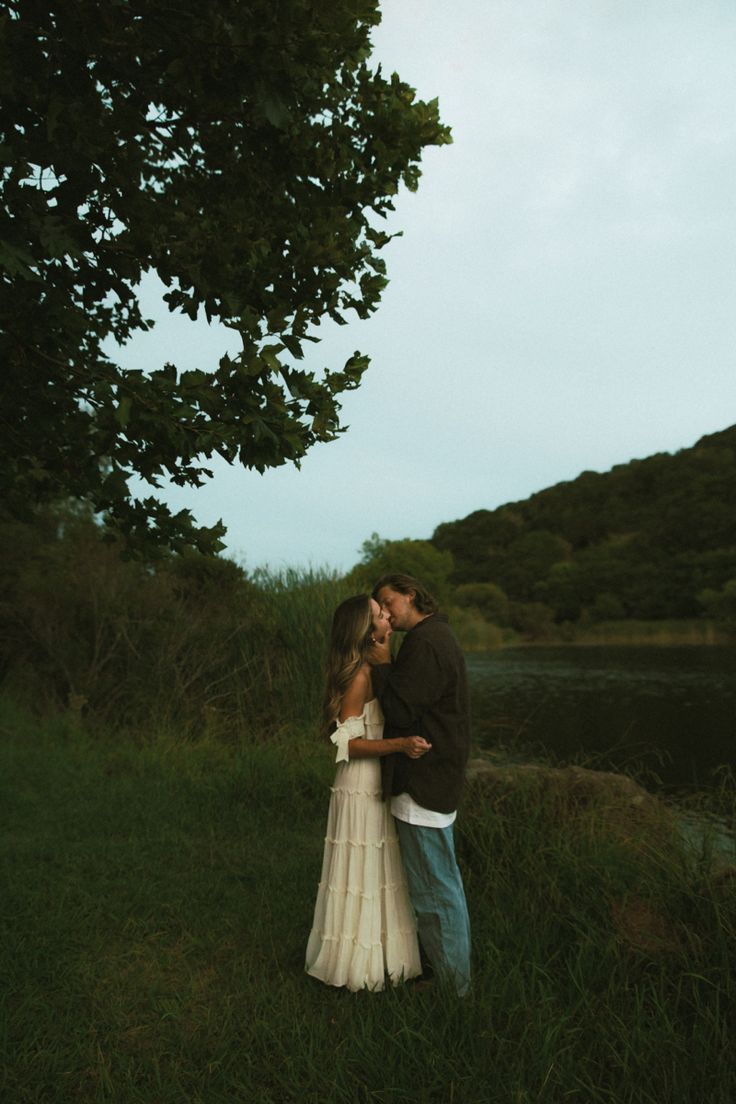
(659, 633)
(477, 636)
(158, 904)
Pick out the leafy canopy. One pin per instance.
(243, 153)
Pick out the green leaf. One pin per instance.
(275, 111)
(17, 261)
(122, 412)
(268, 353)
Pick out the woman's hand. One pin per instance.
(415, 746)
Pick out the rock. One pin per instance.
(641, 927)
(579, 784)
(619, 804)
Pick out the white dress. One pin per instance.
(363, 927)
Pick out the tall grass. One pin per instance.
(157, 898)
(188, 644)
(296, 608)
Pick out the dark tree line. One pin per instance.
(654, 538)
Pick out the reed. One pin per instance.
(186, 645)
(296, 608)
(155, 913)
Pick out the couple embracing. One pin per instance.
(390, 880)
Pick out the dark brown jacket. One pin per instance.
(425, 693)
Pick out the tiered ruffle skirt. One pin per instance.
(363, 929)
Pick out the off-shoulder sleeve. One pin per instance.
(345, 732)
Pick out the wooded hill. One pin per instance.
(654, 538)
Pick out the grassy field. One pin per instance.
(155, 906)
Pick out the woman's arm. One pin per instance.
(413, 746)
(353, 704)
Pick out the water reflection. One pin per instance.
(670, 711)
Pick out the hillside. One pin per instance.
(654, 538)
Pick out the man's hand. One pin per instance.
(380, 652)
(415, 746)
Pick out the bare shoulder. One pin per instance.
(356, 695)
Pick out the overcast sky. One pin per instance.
(563, 297)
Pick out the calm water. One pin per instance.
(667, 710)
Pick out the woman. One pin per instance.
(363, 925)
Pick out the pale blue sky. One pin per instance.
(563, 297)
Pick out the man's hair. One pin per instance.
(423, 601)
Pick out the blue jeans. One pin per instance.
(437, 894)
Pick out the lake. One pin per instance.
(669, 712)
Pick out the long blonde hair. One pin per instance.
(350, 642)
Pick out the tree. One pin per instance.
(640, 541)
(721, 604)
(533, 619)
(410, 557)
(245, 153)
(528, 560)
(487, 598)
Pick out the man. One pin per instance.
(425, 692)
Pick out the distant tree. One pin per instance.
(561, 590)
(478, 542)
(652, 534)
(243, 152)
(721, 604)
(533, 619)
(487, 598)
(413, 557)
(528, 559)
(607, 607)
